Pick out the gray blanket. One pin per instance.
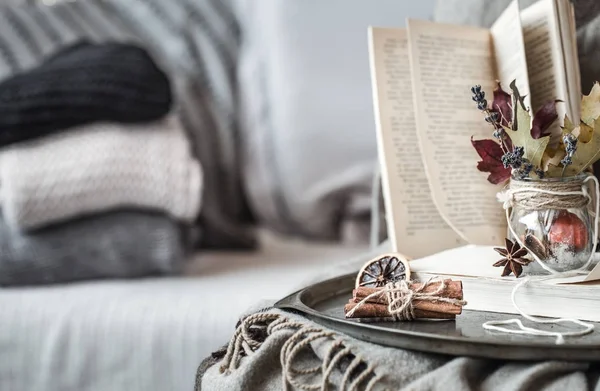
(276, 350)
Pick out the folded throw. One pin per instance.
(82, 84)
(272, 351)
(98, 168)
(114, 245)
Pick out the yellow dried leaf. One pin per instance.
(568, 126)
(521, 136)
(554, 171)
(590, 105)
(583, 132)
(552, 158)
(587, 153)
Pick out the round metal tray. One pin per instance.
(324, 302)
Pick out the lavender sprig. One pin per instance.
(479, 97)
(570, 142)
(524, 170)
(491, 117)
(513, 159)
(521, 167)
(540, 173)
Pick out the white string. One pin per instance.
(560, 336)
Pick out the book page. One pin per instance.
(477, 261)
(509, 50)
(545, 57)
(446, 61)
(566, 22)
(415, 226)
(575, 57)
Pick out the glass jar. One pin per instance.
(552, 221)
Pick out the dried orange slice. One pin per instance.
(382, 270)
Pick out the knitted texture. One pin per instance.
(82, 84)
(97, 168)
(198, 42)
(113, 245)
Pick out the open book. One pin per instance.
(435, 197)
(485, 290)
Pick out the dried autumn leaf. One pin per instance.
(554, 154)
(568, 126)
(543, 118)
(587, 153)
(502, 105)
(520, 134)
(491, 160)
(552, 158)
(554, 171)
(551, 162)
(584, 133)
(534, 149)
(590, 105)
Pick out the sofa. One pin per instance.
(294, 177)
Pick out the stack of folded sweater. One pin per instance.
(97, 177)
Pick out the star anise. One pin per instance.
(513, 260)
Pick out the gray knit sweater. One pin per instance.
(196, 41)
(113, 245)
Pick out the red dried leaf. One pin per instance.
(502, 104)
(543, 118)
(491, 160)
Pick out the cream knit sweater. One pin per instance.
(98, 168)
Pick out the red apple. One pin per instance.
(568, 229)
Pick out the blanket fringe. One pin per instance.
(255, 329)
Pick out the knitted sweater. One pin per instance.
(82, 84)
(198, 42)
(98, 168)
(113, 245)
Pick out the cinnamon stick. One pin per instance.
(453, 290)
(369, 310)
(424, 305)
(377, 306)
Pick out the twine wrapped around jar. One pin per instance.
(539, 195)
